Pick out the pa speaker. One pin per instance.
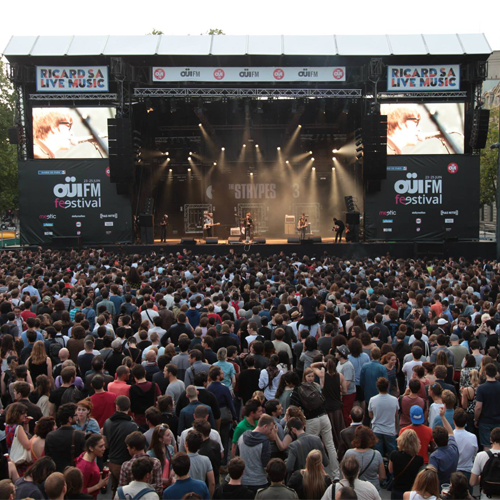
(479, 132)
(316, 239)
(375, 147)
(212, 241)
(294, 239)
(145, 220)
(233, 240)
(188, 241)
(259, 241)
(120, 150)
(147, 236)
(13, 135)
(352, 218)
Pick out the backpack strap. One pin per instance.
(121, 494)
(369, 463)
(143, 492)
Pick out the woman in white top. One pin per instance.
(350, 470)
(425, 487)
(270, 378)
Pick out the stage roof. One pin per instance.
(238, 45)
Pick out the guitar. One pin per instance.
(208, 226)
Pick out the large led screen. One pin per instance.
(71, 132)
(424, 129)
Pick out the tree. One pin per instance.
(489, 156)
(9, 198)
(215, 31)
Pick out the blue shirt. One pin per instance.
(439, 421)
(370, 373)
(445, 460)
(186, 416)
(229, 371)
(24, 337)
(183, 486)
(357, 363)
(193, 316)
(223, 396)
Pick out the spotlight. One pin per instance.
(189, 158)
(251, 174)
(359, 156)
(189, 170)
(287, 162)
(170, 170)
(190, 153)
(312, 159)
(300, 126)
(358, 143)
(215, 163)
(333, 158)
(199, 125)
(358, 149)
(256, 145)
(310, 152)
(314, 168)
(335, 150)
(244, 145)
(333, 168)
(222, 149)
(278, 148)
(346, 108)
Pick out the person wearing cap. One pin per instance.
(114, 360)
(346, 368)
(424, 433)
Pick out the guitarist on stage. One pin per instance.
(339, 227)
(208, 224)
(163, 228)
(302, 226)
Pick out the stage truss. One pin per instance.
(193, 217)
(74, 97)
(246, 92)
(423, 95)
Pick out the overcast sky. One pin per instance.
(256, 17)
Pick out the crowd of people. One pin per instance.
(187, 376)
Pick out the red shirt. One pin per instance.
(104, 406)
(424, 433)
(119, 387)
(91, 474)
(27, 314)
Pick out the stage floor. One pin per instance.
(269, 241)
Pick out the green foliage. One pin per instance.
(9, 198)
(215, 31)
(489, 162)
(155, 32)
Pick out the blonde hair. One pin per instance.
(314, 475)
(408, 442)
(474, 378)
(259, 395)
(38, 354)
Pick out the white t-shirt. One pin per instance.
(479, 463)
(364, 490)
(213, 435)
(408, 369)
(434, 412)
(467, 449)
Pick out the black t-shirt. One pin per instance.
(56, 395)
(309, 306)
(403, 481)
(248, 383)
(340, 225)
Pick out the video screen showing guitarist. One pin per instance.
(339, 228)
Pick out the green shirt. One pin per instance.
(242, 427)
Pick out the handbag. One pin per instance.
(18, 453)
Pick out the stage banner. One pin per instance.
(425, 198)
(249, 74)
(71, 198)
(423, 78)
(72, 79)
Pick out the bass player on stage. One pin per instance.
(339, 227)
(208, 224)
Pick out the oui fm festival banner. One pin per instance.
(252, 74)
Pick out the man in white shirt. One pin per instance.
(466, 442)
(142, 470)
(416, 360)
(149, 313)
(480, 461)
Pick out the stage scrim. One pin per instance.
(425, 198)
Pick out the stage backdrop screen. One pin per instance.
(71, 132)
(425, 198)
(71, 198)
(422, 129)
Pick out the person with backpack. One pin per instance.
(67, 393)
(139, 488)
(486, 468)
(309, 397)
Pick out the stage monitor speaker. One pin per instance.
(316, 239)
(13, 135)
(188, 241)
(145, 220)
(352, 218)
(235, 231)
(479, 132)
(233, 240)
(147, 236)
(295, 240)
(212, 241)
(259, 241)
